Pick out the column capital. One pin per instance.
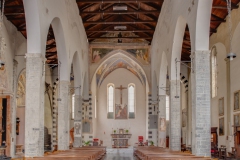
(35, 55)
(202, 51)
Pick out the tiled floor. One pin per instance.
(119, 154)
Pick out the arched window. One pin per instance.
(214, 71)
(167, 107)
(131, 100)
(110, 100)
(73, 105)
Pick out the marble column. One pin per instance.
(78, 121)
(162, 122)
(34, 111)
(174, 118)
(63, 116)
(201, 111)
(14, 109)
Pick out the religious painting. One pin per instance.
(221, 126)
(121, 111)
(141, 54)
(162, 124)
(77, 129)
(236, 101)
(221, 106)
(99, 53)
(236, 119)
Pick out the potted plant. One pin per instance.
(87, 143)
(151, 143)
(114, 131)
(126, 131)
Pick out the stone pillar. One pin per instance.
(34, 111)
(78, 121)
(63, 116)
(13, 109)
(152, 119)
(201, 120)
(162, 124)
(174, 119)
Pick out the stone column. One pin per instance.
(78, 121)
(14, 108)
(175, 120)
(34, 111)
(201, 120)
(63, 116)
(162, 124)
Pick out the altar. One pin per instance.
(120, 140)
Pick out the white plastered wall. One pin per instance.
(222, 43)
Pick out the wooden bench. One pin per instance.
(84, 153)
(156, 153)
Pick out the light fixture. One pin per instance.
(120, 27)
(119, 36)
(2, 65)
(120, 8)
(230, 55)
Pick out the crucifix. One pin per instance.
(121, 88)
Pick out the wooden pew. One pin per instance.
(84, 153)
(156, 153)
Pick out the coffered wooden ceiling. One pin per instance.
(99, 19)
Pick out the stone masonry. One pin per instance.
(174, 120)
(78, 119)
(63, 116)
(34, 111)
(201, 123)
(162, 122)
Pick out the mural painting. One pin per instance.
(141, 54)
(77, 129)
(121, 111)
(99, 53)
(109, 67)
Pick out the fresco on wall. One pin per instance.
(141, 54)
(121, 111)
(109, 67)
(99, 53)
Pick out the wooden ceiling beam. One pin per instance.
(116, 1)
(121, 12)
(222, 20)
(224, 7)
(120, 22)
(153, 5)
(119, 38)
(129, 30)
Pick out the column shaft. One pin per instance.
(63, 116)
(78, 121)
(175, 120)
(162, 122)
(34, 111)
(201, 120)
(14, 108)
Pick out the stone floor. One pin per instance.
(119, 154)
